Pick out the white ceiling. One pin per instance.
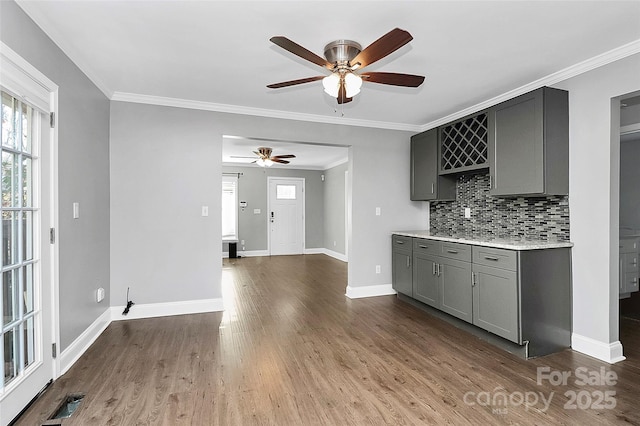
(219, 54)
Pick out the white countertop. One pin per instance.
(505, 243)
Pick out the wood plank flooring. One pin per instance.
(291, 349)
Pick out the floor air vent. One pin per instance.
(69, 405)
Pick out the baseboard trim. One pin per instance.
(79, 346)
(369, 291)
(250, 253)
(607, 352)
(336, 255)
(153, 310)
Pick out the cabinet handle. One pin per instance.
(433, 188)
(421, 246)
(408, 261)
(490, 182)
(473, 279)
(491, 258)
(438, 269)
(399, 242)
(434, 268)
(452, 251)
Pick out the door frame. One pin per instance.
(20, 77)
(303, 222)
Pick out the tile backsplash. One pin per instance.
(535, 218)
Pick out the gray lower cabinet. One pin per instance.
(495, 301)
(522, 296)
(426, 283)
(455, 288)
(529, 144)
(401, 264)
(629, 272)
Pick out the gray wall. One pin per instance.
(83, 172)
(335, 208)
(594, 168)
(630, 184)
(252, 188)
(167, 162)
(630, 115)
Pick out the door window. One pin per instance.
(18, 303)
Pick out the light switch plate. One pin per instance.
(257, 211)
(76, 210)
(205, 210)
(377, 211)
(467, 213)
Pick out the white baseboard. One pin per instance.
(369, 291)
(607, 352)
(74, 351)
(318, 250)
(248, 253)
(336, 255)
(153, 310)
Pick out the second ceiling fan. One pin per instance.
(344, 57)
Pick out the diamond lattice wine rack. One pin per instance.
(464, 144)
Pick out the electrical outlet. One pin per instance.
(241, 242)
(377, 269)
(99, 294)
(377, 211)
(467, 213)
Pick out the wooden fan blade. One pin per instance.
(392, 78)
(294, 82)
(277, 160)
(284, 156)
(385, 45)
(300, 51)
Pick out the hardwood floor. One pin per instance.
(291, 349)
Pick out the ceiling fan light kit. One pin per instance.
(344, 57)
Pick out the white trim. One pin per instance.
(79, 346)
(326, 251)
(607, 352)
(247, 253)
(369, 291)
(259, 112)
(605, 58)
(153, 310)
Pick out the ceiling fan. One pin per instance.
(265, 159)
(344, 57)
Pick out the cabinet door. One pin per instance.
(516, 145)
(402, 279)
(425, 279)
(424, 165)
(495, 301)
(455, 288)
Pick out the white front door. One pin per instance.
(286, 216)
(27, 316)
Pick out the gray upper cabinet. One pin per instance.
(529, 144)
(426, 184)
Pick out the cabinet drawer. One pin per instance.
(629, 245)
(456, 251)
(630, 282)
(401, 241)
(498, 258)
(630, 262)
(422, 245)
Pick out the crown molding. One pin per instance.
(33, 12)
(259, 112)
(613, 55)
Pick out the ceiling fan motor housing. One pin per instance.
(341, 51)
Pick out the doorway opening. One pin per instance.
(629, 230)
